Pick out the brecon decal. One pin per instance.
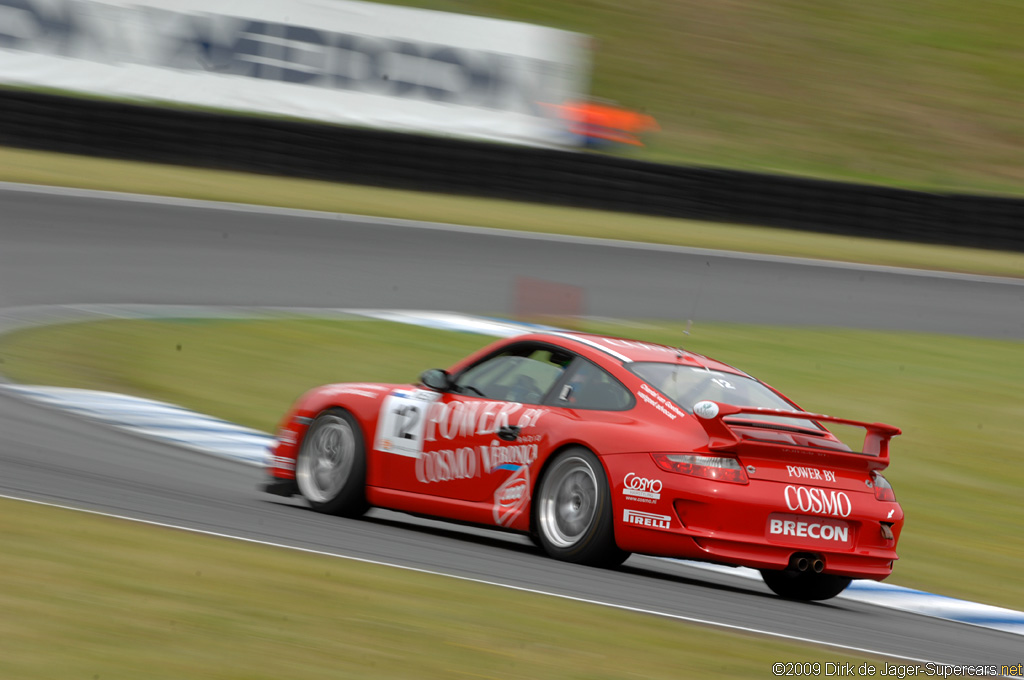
(816, 530)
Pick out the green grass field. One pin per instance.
(920, 94)
(956, 469)
(99, 598)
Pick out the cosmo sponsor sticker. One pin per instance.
(816, 531)
(817, 501)
(646, 519)
(447, 465)
(641, 488)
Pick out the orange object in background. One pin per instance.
(598, 121)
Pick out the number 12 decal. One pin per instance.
(402, 421)
(406, 418)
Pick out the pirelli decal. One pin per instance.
(646, 519)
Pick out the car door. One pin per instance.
(476, 442)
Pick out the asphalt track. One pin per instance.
(58, 248)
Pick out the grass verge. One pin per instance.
(95, 597)
(957, 468)
(37, 167)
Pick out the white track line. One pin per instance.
(534, 591)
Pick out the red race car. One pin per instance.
(599, 447)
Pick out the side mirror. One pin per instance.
(437, 379)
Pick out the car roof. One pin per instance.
(629, 351)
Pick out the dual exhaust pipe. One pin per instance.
(805, 562)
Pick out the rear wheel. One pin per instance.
(804, 585)
(573, 511)
(331, 467)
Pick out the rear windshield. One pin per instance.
(688, 385)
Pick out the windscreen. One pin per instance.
(687, 385)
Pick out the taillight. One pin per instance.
(883, 489)
(719, 468)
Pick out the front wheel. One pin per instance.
(331, 467)
(573, 511)
(804, 585)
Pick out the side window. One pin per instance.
(588, 387)
(522, 373)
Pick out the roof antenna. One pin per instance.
(680, 352)
(696, 298)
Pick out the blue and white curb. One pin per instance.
(156, 420)
(906, 599)
(176, 425)
(173, 424)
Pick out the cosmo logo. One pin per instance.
(446, 465)
(641, 489)
(818, 501)
(646, 519)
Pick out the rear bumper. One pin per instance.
(780, 557)
(742, 524)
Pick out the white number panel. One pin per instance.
(403, 417)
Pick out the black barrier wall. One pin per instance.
(332, 153)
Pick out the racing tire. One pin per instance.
(804, 585)
(573, 511)
(331, 467)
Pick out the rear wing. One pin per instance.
(711, 415)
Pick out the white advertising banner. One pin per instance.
(331, 60)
